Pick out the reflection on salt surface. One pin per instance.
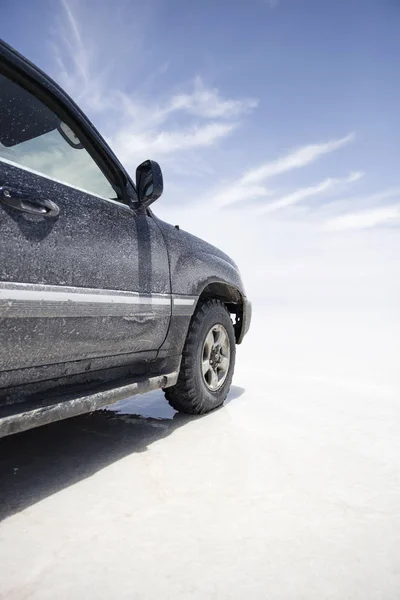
(40, 462)
(152, 405)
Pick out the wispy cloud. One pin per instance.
(135, 126)
(308, 192)
(132, 143)
(296, 159)
(366, 219)
(251, 184)
(77, 70)
(347, 212)
(191, 117)
(361, 202)
(208, 103)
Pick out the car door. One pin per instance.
(81, 274)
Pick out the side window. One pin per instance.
(34, 138)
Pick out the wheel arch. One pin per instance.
(233, 300)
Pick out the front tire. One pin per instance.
(208, 361)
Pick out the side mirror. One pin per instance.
(149, 182)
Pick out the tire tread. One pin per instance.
(185, 396)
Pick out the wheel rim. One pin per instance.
(216, 357)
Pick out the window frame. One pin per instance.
(33, 80)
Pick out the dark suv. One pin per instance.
(99, 299)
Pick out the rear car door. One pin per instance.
(82, 276)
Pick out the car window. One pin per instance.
(34, 138)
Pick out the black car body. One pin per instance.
(96, 294)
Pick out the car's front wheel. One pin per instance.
(208, 361)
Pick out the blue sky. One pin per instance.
(256, 79)
(285, 108)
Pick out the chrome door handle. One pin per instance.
(25, 202)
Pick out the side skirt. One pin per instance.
(27, 415)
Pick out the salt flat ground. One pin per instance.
(290, 491)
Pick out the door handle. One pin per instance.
(27, 203)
